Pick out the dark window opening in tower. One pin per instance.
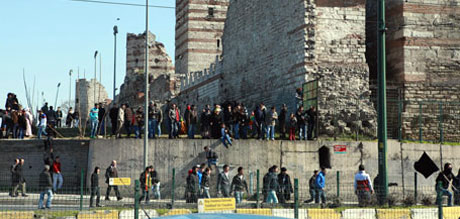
(218, 44)
(210, 12)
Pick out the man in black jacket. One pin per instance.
(21, 181)
(443, 183)
(45, 184)
(113, 114)
(14, 178)
(223, 182)
(285, 186)
(282, 121)
(205, 182)
(95, 190)
(192, 186)
(312, 185)
(112, 172)
(239, 185)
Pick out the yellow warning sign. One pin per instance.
(216, 204)
(120, 181)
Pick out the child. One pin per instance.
(293, 125)
(225, 136)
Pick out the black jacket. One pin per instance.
(239, 184)
(113, 114)
(205, 180)
(94, 180)
(45, 181)
(110, 172)
(272, 182)
(19, 174)
(445, 178)
(14, 176)
(192, 183)
(284, 181)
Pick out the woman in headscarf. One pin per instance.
(29, 120)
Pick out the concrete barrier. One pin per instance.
(422, 213)
(128, 214)
(108, 214)
(178, 212)
(451, 212)
(323, 213)
(359, 214)
(289, 213)
(260, 211)
(17, 214)
(393, 213)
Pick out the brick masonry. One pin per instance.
(162, 80)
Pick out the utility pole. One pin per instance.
(95, 77)
(70, 88)
(57, 94)
(115, 31)
(382, 108)
(146, 96)
(100, 78)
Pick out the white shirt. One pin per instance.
(363, 180)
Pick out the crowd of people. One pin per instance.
(226, 122)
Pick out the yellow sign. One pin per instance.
(216, 204)
(120, 181)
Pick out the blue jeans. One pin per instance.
(156, 191)
(244, 132)
(41, 130)
(152, 126)
(320, 194)
(226, 139)
(271, 132)
(272, 198)
(137, 131)
(236, 131)
(173, 129)
(57, 181)
(159, 129)
(21, 133)
(302, 132)
(42, 197)
(191, 131)
(94, 124)
(206, 193)
(238, 196)
(15, 130)
(444, 192)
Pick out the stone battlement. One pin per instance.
(193, 79)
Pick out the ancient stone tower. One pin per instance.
(199, 28)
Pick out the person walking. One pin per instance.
(272, 185)
(45, 184)
(363, 187)
(14, 177)
(112, 172)
(95, 190)
(273, 116)
(120, 120)
(155, 183)
(312, 187)
(21, 181)
(192, 186)
(282, 121)
(239, 185)
(320, 184)
(205, 182)
(223, 182)
(57, 175)
(145, 180)
(443, 182)
(285, 186)
(94, 119)
(113, 115)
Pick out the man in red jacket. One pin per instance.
(57, 176)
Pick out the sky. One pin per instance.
(48, 38)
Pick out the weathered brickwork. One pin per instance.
(269, 50)
(423, 44)
(162, 78)
(199, 28)
(86, 98)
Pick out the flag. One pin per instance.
(425, 165)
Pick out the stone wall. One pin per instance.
(163, 81)
(199, 27)
(87, 94)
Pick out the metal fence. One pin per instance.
(341, 201)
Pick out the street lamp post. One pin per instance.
(115, 31)
(95, 76)
(57, 94)
(146, 96)
(70, 87)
